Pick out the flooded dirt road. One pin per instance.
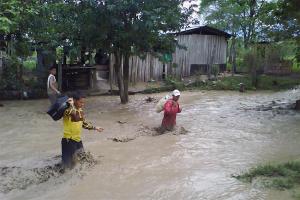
(228, 133)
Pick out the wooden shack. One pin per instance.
(204, 46)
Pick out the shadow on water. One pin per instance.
(20, 178)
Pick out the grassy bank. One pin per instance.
(265, 82)
(280, 176)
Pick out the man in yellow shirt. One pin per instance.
(73, 122)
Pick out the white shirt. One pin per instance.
(51, 80)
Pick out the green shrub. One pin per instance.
(276, 82)
(215, 70)
(29, 64)
(174, 83)
(10, 79)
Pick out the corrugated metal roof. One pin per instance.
(205, 30)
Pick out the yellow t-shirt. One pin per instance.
(73, 122)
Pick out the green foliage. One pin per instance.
(59, 53)
(10, 79)
(240, 18)
(264, 82)
(282, 176)
(151, 90)
(215, 70)
(174, 83)
(254, 20)
(277, 82)
(13, 13)
(253, 61)
(29, 64)
(141, 26)
(229, 83)
(33, 84)
(287, 12)
(296, 66)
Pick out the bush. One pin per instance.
(10, 79)
(29, 64)
(174, 83)
(276, 82)
(215, 70)
(254, 62)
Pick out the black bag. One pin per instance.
(56, 111)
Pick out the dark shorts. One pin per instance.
(68, 149)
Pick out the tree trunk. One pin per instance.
(233, 51)
(211, 62)
(111, 68)
(65, 52)
(126, 76)
(297, 107)
(43, 65)
(40, 65)
(20, 77)
(254, 76)
(119, 76)
(209, 66)
(82, 55)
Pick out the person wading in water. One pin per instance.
(171, 108)
(73, 122)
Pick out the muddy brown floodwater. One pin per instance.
(219, 134)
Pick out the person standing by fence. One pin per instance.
(52, 88)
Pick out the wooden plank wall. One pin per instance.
(199, 50)
(141, 70)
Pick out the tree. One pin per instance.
(288, 19)
(254, 20)
(121, 27)
(13, 15)
(140, 27)
(13, 39)
(223, 15)
(241, 18)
